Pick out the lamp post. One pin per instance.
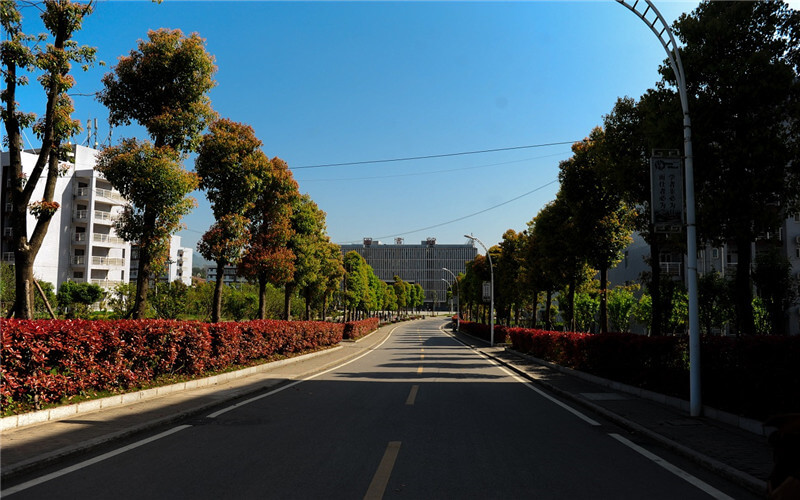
(451, 294)
(491, 290)
(458, 300)
(661, 29)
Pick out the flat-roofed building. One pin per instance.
(420, 263)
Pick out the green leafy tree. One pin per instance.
(621, 303)
(268, 258)
(773, 279)
(306, 242)
(163, 86)
(74, 299)
(510, 290)
(587, 305)
(232, 170)
(6, 288)
(156, 185)
(742, 64)
(333, 272)
(419, 296)
(170, 300)
(602, 220)
(241, 301)
(21, 53)
(356, 282)
(121, 300)
(643, 310)
(401, 293)
(713, 294)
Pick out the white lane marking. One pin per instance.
(381, 478)
(530, 385)
(283, 388)
(87, 463)
(715, 493)
(412, 396)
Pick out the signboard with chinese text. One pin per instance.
(487, 291)
(666, 180)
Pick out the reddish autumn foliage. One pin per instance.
(752, 376)
(55, 359)
(357, 329)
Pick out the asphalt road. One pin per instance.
(421, 416)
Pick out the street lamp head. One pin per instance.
(469, 236)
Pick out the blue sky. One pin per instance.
(331, 82)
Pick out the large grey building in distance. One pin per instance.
(421, 263)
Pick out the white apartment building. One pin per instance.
(177, 268)
(80, 244)
(229, 275)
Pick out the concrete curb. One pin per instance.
(62, 412)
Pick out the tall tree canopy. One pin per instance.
(21, 53)
(162, 86)
(268, 258)
(233, 171)
(742, 61)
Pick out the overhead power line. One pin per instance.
(426, 157)
(466, 216)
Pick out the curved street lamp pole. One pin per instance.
(458, 299)
(451, 294)
(661, 29)
(491, 292)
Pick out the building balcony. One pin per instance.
(107, 261)
(8, 232)
(109, 284)
(103, 217)
(78, 260)
(79, 238)
(110, 195)
(80, 215)
(671, 268)
(107, 238)
(81, 192)
(8, 257)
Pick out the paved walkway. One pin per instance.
(739, 455)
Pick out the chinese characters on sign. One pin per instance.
(666, 179)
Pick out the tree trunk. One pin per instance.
(656, 310)
(142, 283)
(604, 300)
(23, 295)
(535, 308)
(216, 309)
(262, 297)
(307, 296)
(547, 302)
(287, 302)
(743, 291)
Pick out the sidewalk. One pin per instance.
(741, 456)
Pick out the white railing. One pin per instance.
(106, 283)
(79, 237)
(107, 261)
(78, 260)
(107, 238)
(8, 256)
(100, 215)
(109, 195)
(82, 191)
(80, 215)
(671, 268)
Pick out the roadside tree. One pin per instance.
(20, 53)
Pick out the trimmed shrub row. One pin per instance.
(357, 329)
(54, 359)
(753, 376)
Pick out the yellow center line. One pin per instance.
(412, 396)
(381, 478)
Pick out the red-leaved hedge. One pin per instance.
(59, 358)
(753, 376)
(357, 329)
